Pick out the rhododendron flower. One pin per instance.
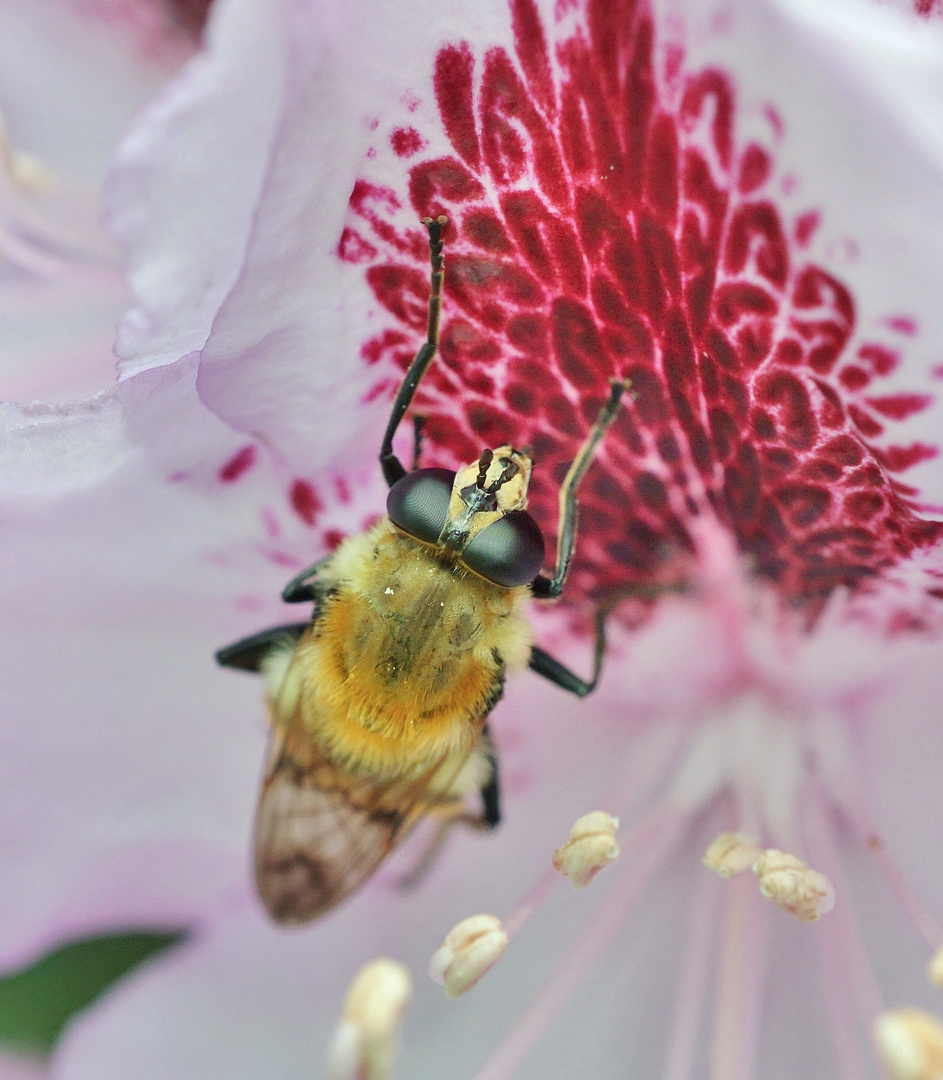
(730, 205)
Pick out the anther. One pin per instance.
(26, 171)
(935, 968)
(364, 1043)
(469, 951)
(910, 1043)
(792, 886)
(732, 853)
(592, 846)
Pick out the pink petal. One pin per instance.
(58, 336)
(74, 116)
(168, 819)
(68, 88)
(52, 449)
(129, 760)
(186, 183)
(887, 55)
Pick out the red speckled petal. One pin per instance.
(634, 216)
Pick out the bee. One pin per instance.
(379, 702)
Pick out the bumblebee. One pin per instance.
(379, 702)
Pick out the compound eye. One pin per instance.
(509, 552)
(419, 502)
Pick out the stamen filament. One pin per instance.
(531, 902)
(651, 843)
(855, 805)
(853, 960)
(653, 757)
(739, 982)
(691, 995)
(925, 924)
(847, 1043)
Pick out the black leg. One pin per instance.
(546, 588)
(419, 424)
(304, 587)
(455, 814)
(392, 467)
(544, 664)
(491, 792)
(248, 654)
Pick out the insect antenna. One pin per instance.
(509, 473)
(484, 464)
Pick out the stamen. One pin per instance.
(26, 171)
(530, 904)
(793, 886)
(38, 239)
(732, 853)
(592, 846)
(364, 1044)
(652, 841)
(841, 1005)
(910, 1043)
(653, 754)
(905, 895)
(840, 949)
(471, 949)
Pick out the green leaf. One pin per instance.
(38, 1001)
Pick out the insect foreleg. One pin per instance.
(248, 654)
(419, 423)
(393, 469)
(544, 664)
(546, 588)
(304, 587)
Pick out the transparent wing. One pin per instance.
(320, 832)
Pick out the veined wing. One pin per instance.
(321, 832)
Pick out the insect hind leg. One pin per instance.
(491, 799)
(453, 813)
(435, 845)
